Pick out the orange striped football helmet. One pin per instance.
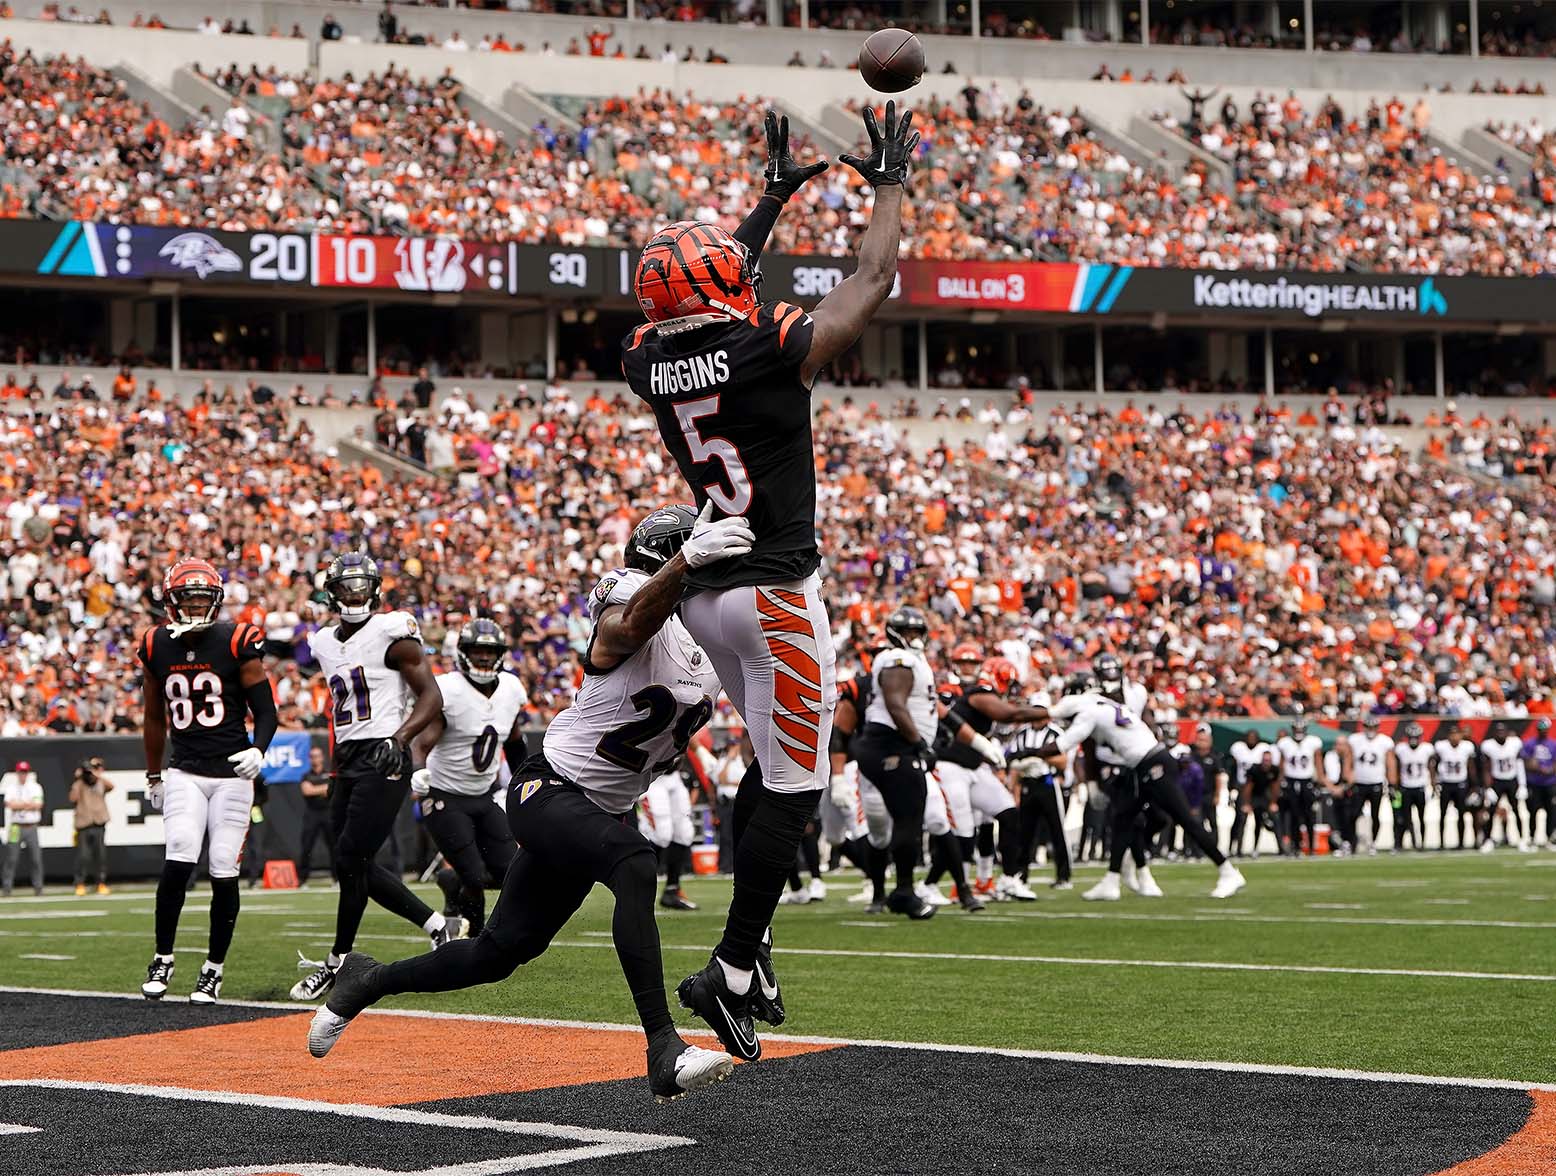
(998, 673)
(690, 269)
(192, 593)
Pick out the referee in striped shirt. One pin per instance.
(1044, 798)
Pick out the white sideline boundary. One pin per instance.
(1094, 1059)
(596, 1143)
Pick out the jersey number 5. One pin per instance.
(720, 449)
(624, 746)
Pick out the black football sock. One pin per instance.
(472, 908)
(462, 963)
(389, 891)
(171, 888)
(636, 936)
(877, 859)
(351, 905)
(856, 850)
(747, 796)
(763, 859)
(937, 862)
(950, 846)
(224, 917)
(676, 856)
(1008, 846)
(796, 883)
(810, 851)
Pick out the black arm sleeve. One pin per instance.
(514, 751)
(758, 225)
(262, 704)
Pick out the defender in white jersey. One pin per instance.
(894, 757)
(665, 818)
(382, 695)
(1457, 771)
(647, 689)
(1301, 755)
(1367, 768)
(482, 712)
(1503, 752)
(1414, 757)
(1108, 670)
(1149, 775)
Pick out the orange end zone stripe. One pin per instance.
(1529, 1152)
(383, 1060)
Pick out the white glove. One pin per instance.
(421, 782)
(845, 792)
(154, 793)
(715, 539)
(988, 749)
(248, 763)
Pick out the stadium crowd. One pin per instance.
(1241, 566)
(1002, 175)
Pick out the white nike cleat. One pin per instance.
(675, 1069)
(1487, 846)
(158, 976)
(1011, 887)
(1108, 890)
(325, 1030)
(1146, 886)
(1129, 876)
(818, 890)
(866, 895)
(1525, 847)
(930, 894)
(1229, 882)
(794, 897)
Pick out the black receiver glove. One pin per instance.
(891, 150)
(389, 758)
(784, 176)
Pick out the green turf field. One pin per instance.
(1058, 974)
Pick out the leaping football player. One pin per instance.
(647, 690)
(728, 378)
(203, 677)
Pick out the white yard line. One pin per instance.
(594, 1143)
(872, 1043)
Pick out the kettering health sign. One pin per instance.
(1314, 299)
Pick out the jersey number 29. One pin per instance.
(624, 746)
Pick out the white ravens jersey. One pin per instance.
(633, 722)
(923, 704)
(1246, 757)
(1453, 761)
(1122, 739)
(1414, 764)
(368, 700)
(1136, 698)
(1503, 757)
(466, 756)
(1299, 758)
(1369, 757)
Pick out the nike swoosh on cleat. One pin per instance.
(746, 1044)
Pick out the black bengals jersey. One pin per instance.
(207, 708)
(733, 413)
(962, 711)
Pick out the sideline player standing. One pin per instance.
(202, 677)
(1458, 780)
(647, 690)
(1301, 765)
(728, 378)
(375, 668)
(1367, 763)
(482, 711)
(1540, 770)
(1415, 777)
(1503, 752)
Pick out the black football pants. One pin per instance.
(472, 834)
(1155, 781)
(362, 814)
(899, 776)
(567, 843)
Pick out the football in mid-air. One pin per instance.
(891, 60)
